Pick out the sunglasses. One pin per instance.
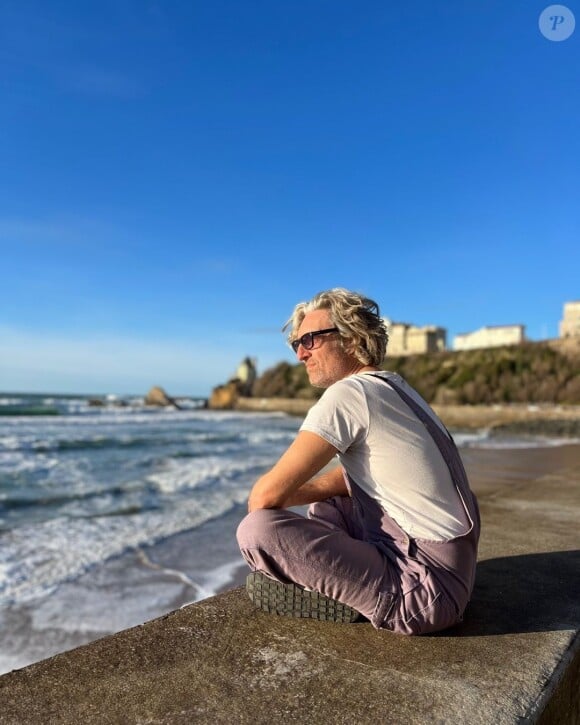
(307, 340)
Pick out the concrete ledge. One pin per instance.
(454, 416)
(515, 658)
(292, 406)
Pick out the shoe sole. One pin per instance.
(290, 600)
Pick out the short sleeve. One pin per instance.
(341, 415)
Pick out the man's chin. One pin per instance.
(316, 382)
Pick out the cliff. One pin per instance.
(533, 372)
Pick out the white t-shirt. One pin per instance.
(388, 452)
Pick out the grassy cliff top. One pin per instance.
(533, 372)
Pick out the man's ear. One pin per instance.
(348, 346)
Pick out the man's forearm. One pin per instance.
(298, 465)
(318, 489)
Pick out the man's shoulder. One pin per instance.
(342, 390)
(350, 383)
(342, 410)
(350, 390)
(360, 385)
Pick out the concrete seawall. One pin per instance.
(454, 416)
(515, 658)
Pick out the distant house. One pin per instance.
(490, 336)
(570, 323)
(407, 339)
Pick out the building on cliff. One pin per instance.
(490, 336)
(570, 322)
(407, 339)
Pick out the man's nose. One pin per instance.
(302, 353)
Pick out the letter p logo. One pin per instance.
(557, 22)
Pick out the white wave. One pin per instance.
(74, 610)
(484, 439)
(119, 416)
(271, 436)
(191, 403)
(179, 474)
(10, 442)
(201, 464)
(49, 437)
(17, 462)
(217, 579)
(465, 439)
(234, 415)
(95, 417)
(523, 442)
(34, 559)
(13, 662)
(65, 404)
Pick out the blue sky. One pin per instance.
(175, 176)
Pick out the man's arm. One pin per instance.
(289, 482)
(320, 488)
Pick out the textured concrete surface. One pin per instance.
(515, 658)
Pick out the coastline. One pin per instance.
(526, 646)
(147, 583)
(192, 565)
(529, 418)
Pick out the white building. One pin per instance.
(570, 323)
(407, 339)
(490, 336)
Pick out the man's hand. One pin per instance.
(286, 483)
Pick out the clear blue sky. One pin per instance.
(175, 176)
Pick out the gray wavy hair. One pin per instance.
(362, 330)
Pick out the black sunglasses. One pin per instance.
(307, 340)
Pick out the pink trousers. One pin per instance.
(330, 552)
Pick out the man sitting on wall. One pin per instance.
(392, 531)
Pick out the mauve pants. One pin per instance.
(330, 552)
(323, 552)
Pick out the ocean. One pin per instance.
(116, 514)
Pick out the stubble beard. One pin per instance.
(317, 381)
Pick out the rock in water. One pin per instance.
(158, 396)
(224, 397)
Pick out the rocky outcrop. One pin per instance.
(157, 396)
(224, 397)
(96, 403)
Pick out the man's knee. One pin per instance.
(256, 528)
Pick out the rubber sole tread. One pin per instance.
(290, 600)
